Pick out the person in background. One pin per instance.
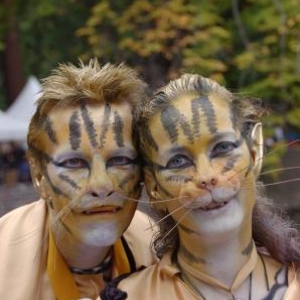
(82, 151)
(219, 238)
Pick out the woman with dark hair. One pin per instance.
(219, 238)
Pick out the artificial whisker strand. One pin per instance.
(166, 216)
(183, 216)
(267, 154)
(282, 182)
(280, 169)
(156, 201)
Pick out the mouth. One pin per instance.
(214, 205)
(105, 209)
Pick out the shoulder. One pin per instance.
(148, 283)
(22, 219)
(293, 290)
(139, 239)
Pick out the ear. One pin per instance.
(257, 148)
(152, 190)
(37, 177)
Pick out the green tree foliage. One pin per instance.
(250, 46)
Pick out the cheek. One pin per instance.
(173, 183)
(66, 186)
(126, 179)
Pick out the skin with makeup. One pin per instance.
(219, 238)
(82, 151)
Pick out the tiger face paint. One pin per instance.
(198, 157)
(90, 170)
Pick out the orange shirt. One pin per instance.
(24, 251)
(161, 281)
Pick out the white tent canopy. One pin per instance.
(12, 129)
(24, 105)
(15, 121)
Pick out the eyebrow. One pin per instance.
(221, 135)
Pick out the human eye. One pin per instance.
(223, 148)
(119, 161)
(179, 161)
(73, 163)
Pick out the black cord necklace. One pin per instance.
(104, 266)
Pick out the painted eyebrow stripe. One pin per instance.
(171, 118)
(49, 130)
(75, 133)
(146, 137)
(105, 124)
(209, 113)
(89, 125)
(195, 106)
(118, 129)
(69, 181)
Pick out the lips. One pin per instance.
(107, 209)
(214, 205)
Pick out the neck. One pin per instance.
(76, 253)
(220, 257)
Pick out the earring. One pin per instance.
(155, 195)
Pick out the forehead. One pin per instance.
(93, 125)
(188, 118)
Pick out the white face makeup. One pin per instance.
(202, 162)
(91, 171)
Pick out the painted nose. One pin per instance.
(100, 183)
(205, 177)
(206, 183)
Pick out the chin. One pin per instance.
(100, 234)
(101, 237)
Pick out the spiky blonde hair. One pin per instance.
(68, 85)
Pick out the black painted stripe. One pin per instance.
(168, 120)
(49, 130)
(55, 189)
(67, 179)
(247, 251)
(89, 125)
(147, 138)
(75, 132)
(230, 163)
(178, 178)
(105, 124)
(171, 118)
(209, 112)
(118, 129)
(126, 179)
